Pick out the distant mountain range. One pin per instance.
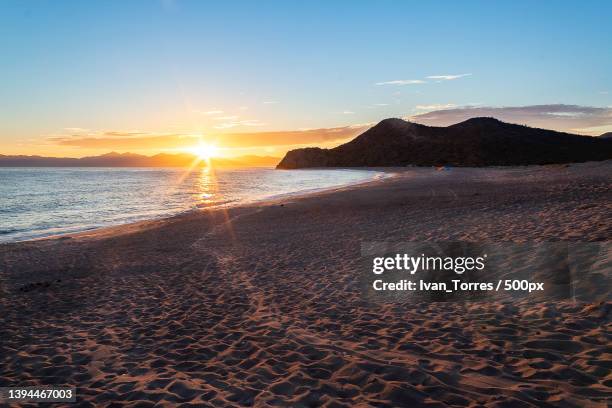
(475, 142)
(114, 159)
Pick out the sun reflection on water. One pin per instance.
(206, 185)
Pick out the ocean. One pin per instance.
(39, 202)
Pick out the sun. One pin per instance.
(205, 151)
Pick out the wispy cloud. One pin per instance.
(402, 82)
(381, 104)
(362, 126)
(348, 112)
(226, 125)
(234, 123)
(435, 106)
(447, 77)
(301, 137)
(566, 118)
(437, 78)
(252, 122)
(270, 102)
(230, 117)
(118, 140)
(126, 140)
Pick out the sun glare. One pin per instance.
(205, 151)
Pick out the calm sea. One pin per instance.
(38, 202)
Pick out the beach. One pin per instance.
(259, 305)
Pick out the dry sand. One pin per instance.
(260, 305)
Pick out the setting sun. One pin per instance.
(205, 151)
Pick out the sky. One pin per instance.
(80, 78)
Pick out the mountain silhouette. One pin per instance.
(475, 142)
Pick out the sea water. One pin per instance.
(39, 202)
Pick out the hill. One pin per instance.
(474, 142)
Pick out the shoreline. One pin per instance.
(382, 174)
(387, 174)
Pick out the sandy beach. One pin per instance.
(260, 306)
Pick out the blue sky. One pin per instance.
(157, 67)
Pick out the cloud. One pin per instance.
(362, 126)
(402, 82)
(231, 117)
(227, 125)
(381, 104)
(234, 123)
(252, 122)
(296, 137)
(437, 78)
(270, 102)
(213, 112)
(117, 140)
(435, 106)
(348, 112)
(566, 118)
(447, 77)
(126, 140)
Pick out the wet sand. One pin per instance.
(260, 305)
